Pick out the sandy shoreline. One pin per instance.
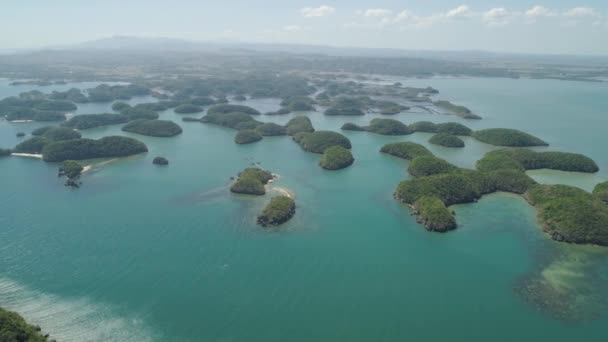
(22, 121)
(27, 155)
(282, 191)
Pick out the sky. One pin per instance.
(518, 26)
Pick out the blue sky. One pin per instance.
(572, 27)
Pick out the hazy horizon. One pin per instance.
(521, 27)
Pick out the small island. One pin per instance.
(523, 159)
(20, 134)
(429, 165)
(405, 150)
(352, 127)
(336, 158)
(299, 104)
(71, 170)
(80, 149)
(44, 136)
(271, 129)
(247, 136)
(160, 161)
(88, 121)
(318, 141)
(231, 108)
(5, 152)
(251, 181)
(234, 120)
(299, 124)
(153, 128)
(280, 210)
(188, 108)
(461, 111)
(388, 127)
(434, 215)
(446, 140)
(202, 101)
(281, 111)
(345, 106)
(508, 137)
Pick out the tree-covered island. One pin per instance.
(336, 158)
(507, 137)
(251, 181)
(446, 140)
(318, 141)
(153, 128)
(280, 210)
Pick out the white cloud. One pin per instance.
(320, 11)
(539, 11)
(459, 12)
(579, 12)
(497, 16)
(377, 12)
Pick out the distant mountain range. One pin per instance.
(174, 44)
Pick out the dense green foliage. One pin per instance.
(271, 129)
(344, 105)
(278, 211)
(461, 111)
(446, 140)
(119, 106)
(41, 130)
(570, 214)
(424, 126)
(388, 127)
(601, 191)
(79, 149)
(247, 136)
(33, 106)
(298, 104)
(343, 111)
(434, 215)
(153, 128)
(107, 93)
(352, 127)
(507, 137)
(202, 101)
(406, 150)
(73, 94)
(60, 133)
(231, 108)
(336, 157)
(13, 328)
(188, 108)
(235, 120)
(453, 128)
(299, 124)
(88, 121)
(318, 141)
(251, 181)
(71, 169)
(429, 165)
(160, 161)
(31, 145)
(389, 107)
(524, 159)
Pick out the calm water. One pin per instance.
(142, 253)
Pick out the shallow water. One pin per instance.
(168, 254)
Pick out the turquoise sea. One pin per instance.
(145, 253)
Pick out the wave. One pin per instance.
(71, 319)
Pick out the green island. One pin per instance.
(389, 107)
(153, 128)
(231, 108)
(20, 134)
(344, 105)
(119, 106)
(202, 101)
(271, 129)
(14, 328)
(251, 181)
(318, 141)
(72, 94)
(44, 136)
(107, 93)
(395, 127)
(80, 149)
(388, 127)
(567, 213)
(34, 106)
(299, 124)
(298, 104)
(247, 136)
(507, 137)
(349, 126)
(88, 121)
(188, 108)
(601, 191)
(406, 150)
(446, 140)
(336, 158)
(280, 210)
(4, 152)
(234, 120)
(461, 111)
(160, 161)
(71, 170)
(240, 98)
(523, 159)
